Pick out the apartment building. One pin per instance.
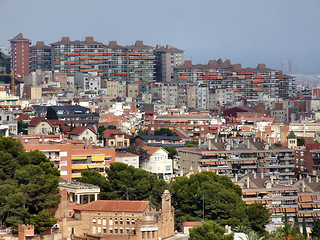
(72, 115)
(8, 124)
(20, 50)
(78, 56)
(246, 83)
(40, 57)
(237, 156)
(169, 93)
(71, 157)
(141, 62)
(167, 57)
(115, 62)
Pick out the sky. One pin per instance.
(245, 31)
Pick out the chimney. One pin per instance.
(303, 186)
(254, 175)
(112, 43)
(89, 39)
(317, 179)
(314, 172)
(309, 179)
(262, 174)
(236, 177)
(139, 43)
(261, 66)
(237, 67)
(248, 181)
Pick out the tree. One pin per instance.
(28, 185)
(315, 233)
(277, 144)
(296, 228)
(143, 132)
(127, 183)
(143, 154)
(165, 131)
(51, 113)
(22, 128)
(258, 216)
(100, 131)
(221, 198)
(300, 142)
(191, 143)
(112, 127)
(304, 227)
(210, 230)
(171, 150)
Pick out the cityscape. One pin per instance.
(156, 137)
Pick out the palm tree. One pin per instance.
(252, 235)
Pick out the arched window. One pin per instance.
(110, 221)
(104, 222)
(94, 220)
(116, 221)
(99, 221)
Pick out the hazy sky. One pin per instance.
(244, 31)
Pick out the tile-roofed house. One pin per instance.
(115, 139)
(121, 219)
(188, 225)
(24, 118)
(88, 133)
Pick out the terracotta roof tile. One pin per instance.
(81, 129)
(114, 206)
(36, 120)
(109, 132)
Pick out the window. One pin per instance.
(94, 220)
(128, 221)
(121, 230)
(99, 229)
(104, 230)
(104, 222)
(116, 221)
(110, 221)
(94, 230)
(132, 221)
(121, 222)
(110, 230)
(99, 221)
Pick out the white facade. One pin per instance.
(129, 159)
(159, 163)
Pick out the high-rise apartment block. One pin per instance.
(141, 63)
(78, 56)
(20, 56)
(246, 83)
(40, 57)
(167, 58)
(116, 62)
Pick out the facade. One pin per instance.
(141, 63)
(167, 58)
(158, 162)
(20, 64)
(8, 124)
(70, 157)
(128, 158)
(115, 62)
(72, 115)
(122, 219)
(40, 125)
(84, 133)
(247, 83)
(77, 56)
(40, 57)
(238, 156)
(115, 139)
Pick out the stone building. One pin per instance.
(121, 219)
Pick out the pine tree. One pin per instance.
(316, 228)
